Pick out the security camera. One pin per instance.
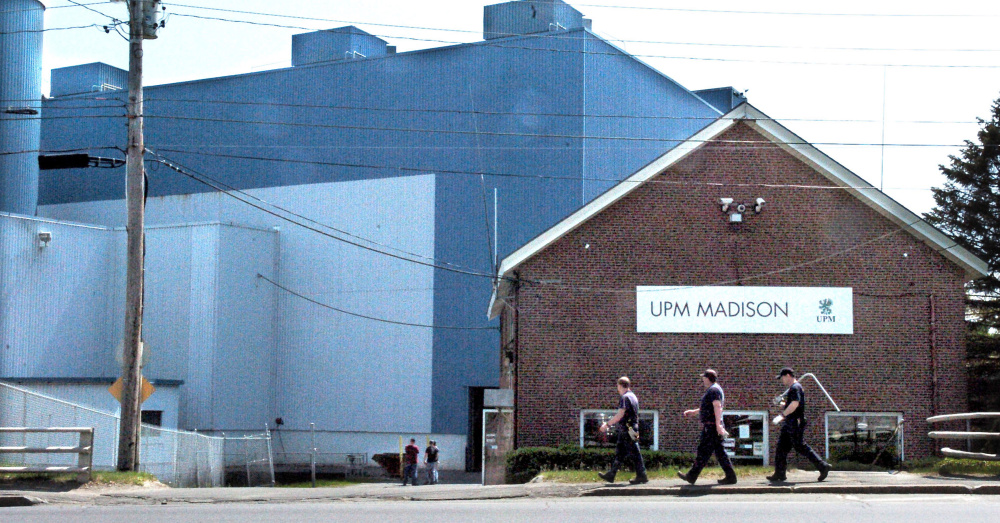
(44, 237)
(725, 202)
(760, 206)
(741, 208)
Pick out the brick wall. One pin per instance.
(577, 335)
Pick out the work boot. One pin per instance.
(776, 478)
(728, 481)
(639, 480)
(824, 469)
(607, 476)
(686, 477)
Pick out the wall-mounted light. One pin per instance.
(725, 202)
(735, 211)
(760, 205)
(44, 237)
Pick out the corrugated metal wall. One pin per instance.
(500, 111)
(87, 78)
(60, 305)
(20, 92)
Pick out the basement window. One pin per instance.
(591, 420)
(865, 437)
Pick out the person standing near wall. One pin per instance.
(712, 431)
(431, 461)
(410, 459)
(627, 420)
(793, 425)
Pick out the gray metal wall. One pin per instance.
(532, 111)
(60, 305)
(249, 352)
(87, 78)
(20, 89)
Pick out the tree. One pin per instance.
(968, 209)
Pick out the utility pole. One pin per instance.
(142, 24)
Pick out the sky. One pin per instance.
(889, 89)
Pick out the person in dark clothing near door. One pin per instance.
(410, 460)
(431, 460)
(712, 431)
(793, 425)
(626, 422)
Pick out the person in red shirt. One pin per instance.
(410, 460)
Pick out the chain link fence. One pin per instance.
(249, 461)
(177, 458)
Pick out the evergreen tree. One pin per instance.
(968, 209)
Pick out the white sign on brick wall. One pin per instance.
(760, 310)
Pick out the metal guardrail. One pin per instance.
(968, 435)
(84, 452)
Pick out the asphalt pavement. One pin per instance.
(799, 482)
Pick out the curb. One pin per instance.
(805, 489)
(18, 501)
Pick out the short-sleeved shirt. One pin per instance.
(707, 411)
(795, 393)
(411, 454)
(630, 403)
(432, 454)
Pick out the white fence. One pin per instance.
(177, 458)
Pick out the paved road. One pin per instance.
(814, 508)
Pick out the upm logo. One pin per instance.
(826, 312)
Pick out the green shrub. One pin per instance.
(525, 463)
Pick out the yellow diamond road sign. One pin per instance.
(146, 389)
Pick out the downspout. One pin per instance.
(516, 288)
(933, 346)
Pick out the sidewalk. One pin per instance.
(799, 483)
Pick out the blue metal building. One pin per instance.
(407, 154)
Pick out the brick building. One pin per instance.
(573, 301)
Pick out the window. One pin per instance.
(748, 433)
(152, 417)
(591, 420)
(865, 437)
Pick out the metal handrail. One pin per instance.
(827, 394)
(968, 435)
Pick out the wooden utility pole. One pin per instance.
(135, 189)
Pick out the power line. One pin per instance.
(422, 170)
(249, 200)
(356, 315)
(467, 31)
(529, 135)
(500, 43)
(45, 30)
(790, 13)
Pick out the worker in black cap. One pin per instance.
(793, 425)
(712, 431)
(626, 423)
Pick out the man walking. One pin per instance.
(793, 425)
(431, 460)
(625, 419)
(410, 460)
(712, 431)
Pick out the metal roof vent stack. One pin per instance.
(342, 43)
(21, 24)
(522, 17)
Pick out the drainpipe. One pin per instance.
(932, 331)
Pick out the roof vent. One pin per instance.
(522, 17)
(342, 43)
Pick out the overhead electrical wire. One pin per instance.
(373, 318)
(422, 170)
(505, 44)
(262, 205)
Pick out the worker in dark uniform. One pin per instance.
(712, 431)
(626, 418)
(793, 425)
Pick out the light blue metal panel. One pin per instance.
(87, 78)
(724, 99)
(167, 320)
(245, 339)
(335, 44)
(655, 114)
(20, 93)
(59, 304)
(523, 17)
(197, 396)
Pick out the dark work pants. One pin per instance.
(791, 438)
(628, 450)
(709, 443)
